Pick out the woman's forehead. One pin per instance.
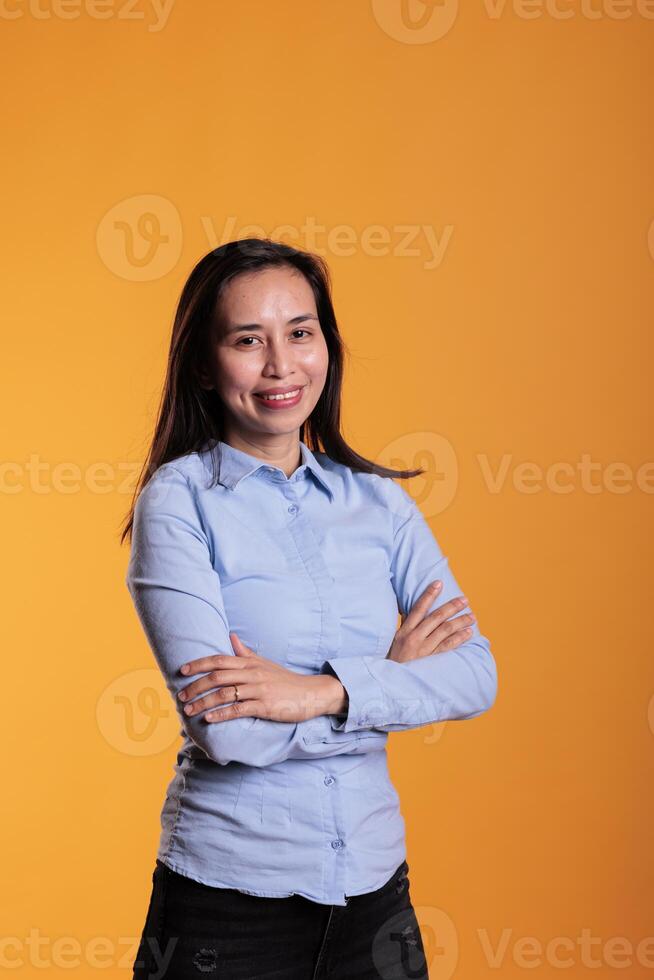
(267, 294)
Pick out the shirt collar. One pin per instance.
(236, 465)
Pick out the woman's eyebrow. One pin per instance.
(235, 328)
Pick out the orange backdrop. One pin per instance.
(479, 181)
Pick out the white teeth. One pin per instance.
(290, 394)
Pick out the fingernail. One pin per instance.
(185, 669)
(434, 586)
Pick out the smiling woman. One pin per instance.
(268, 565)
(276, 361)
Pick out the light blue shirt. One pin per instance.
(310, 571)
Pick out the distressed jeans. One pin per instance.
(195, 930)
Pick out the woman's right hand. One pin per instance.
(421, 635)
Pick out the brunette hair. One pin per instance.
(189, 416)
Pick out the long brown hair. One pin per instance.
(190, 416)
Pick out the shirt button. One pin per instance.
(337, 843)
(292, 509)
(328, 780)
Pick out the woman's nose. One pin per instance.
(278, 360)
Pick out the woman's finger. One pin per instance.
(421, 605)
(454, 640)
(222, 696)
(203, 664)
(217, 678)
(452, 627)
(443, 613)
(242, 709)
(240, 648)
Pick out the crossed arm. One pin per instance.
(458, 684)
(177, 596)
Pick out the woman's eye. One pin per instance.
(299, 330)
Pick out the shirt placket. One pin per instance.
(327, 645)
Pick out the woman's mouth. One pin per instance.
(281, 401)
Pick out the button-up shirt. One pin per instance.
(310, 571)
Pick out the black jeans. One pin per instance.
(195, 930)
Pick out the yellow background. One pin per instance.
(523, 141)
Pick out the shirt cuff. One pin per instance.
(366, 704)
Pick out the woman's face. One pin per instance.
(266, 335)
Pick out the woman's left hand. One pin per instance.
(265, 688)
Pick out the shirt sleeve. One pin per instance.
(177, 595)
(389, 696)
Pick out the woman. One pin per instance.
(267, 576)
